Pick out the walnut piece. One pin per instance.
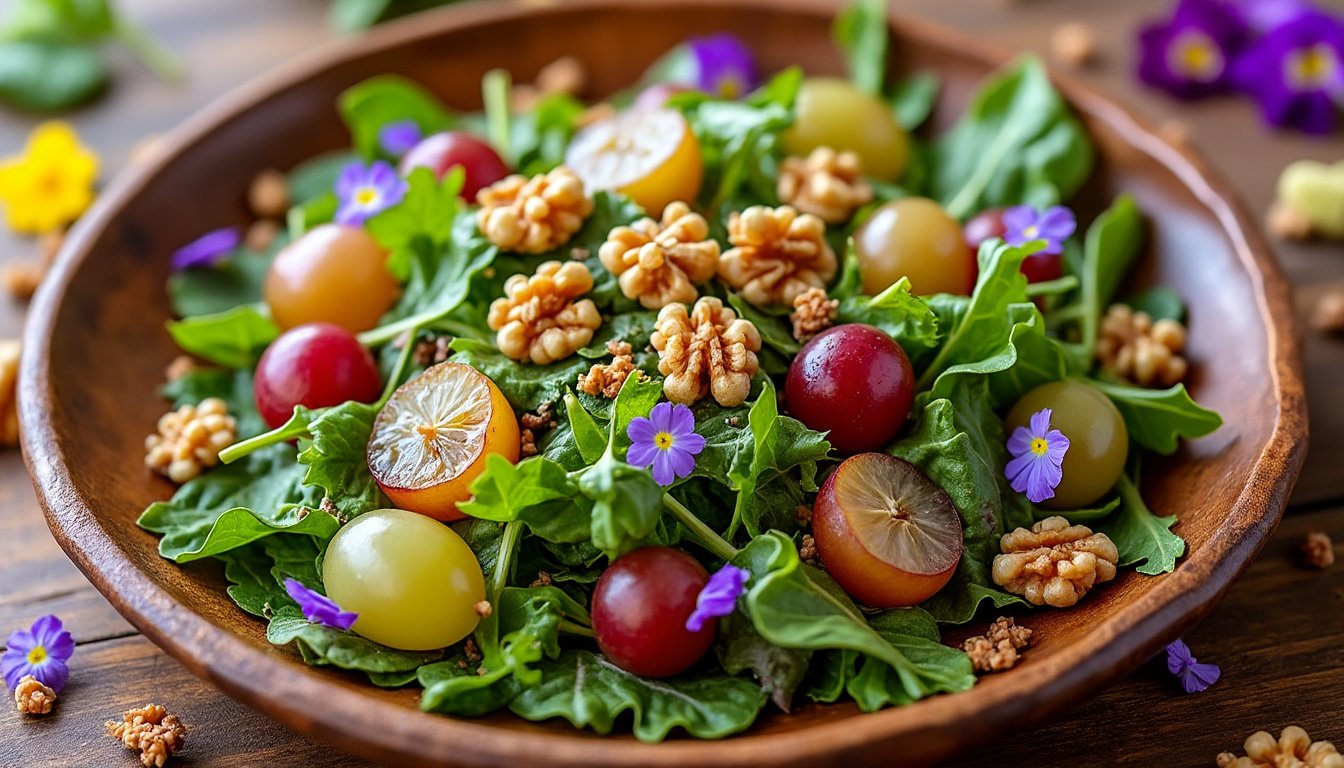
(709, 351)
(533, 215)
(260, 235)
(21, 278)
(9, 402)
(1054, 563)
(268, 195)
(1286, 223)
(660, 262)
(1074, 43)
(1293, 749)
(826, 184)
(606, 379)
(997, 649)
(152, 731)
(189, 439)
(179, 366)
(1328, 314)
(431, 351)
(1317, 549)
(812, 313)
(1133, 347)
(539, 320)
(807, 549)
(32, 697)
(777, 254)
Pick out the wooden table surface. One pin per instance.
(1279, 635)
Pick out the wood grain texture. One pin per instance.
(1139, 722)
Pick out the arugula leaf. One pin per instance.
(505, 491)
(912, 99)
(906, 318)
(627, 504)
(1158, 418)
(337, 461)
(1112, 244)
(231, 283)
(778, 670)
(1141, 536)
(860, 31)
(778, 443)
(234, 338)
(367, 107)
(424, 219)
(248, 571)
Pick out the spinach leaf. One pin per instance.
(505, 491)
(778, 670)
(47, 75)
(1141, 536)
(589, 438)
(912, 99)
(231, 283)
(526, 386)
(766, 496)
(899, 314)
(1112, 244)
(369, 106)
(322, 645)
(337, 460)
(860, 31)
(234, 338)
(1158, 418)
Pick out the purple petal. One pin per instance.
(351, 214)
(1019, 217)
(724, 66)
(1019, 442)
(383, 177)
(400, 137)
(683, 462)
(1056, 445)
(1198, 677)
(641, 430)
(318, 608)
(642, 453)
(664, 472)
(683, 421)
(661, 417)
(1040, 422)
(52, 673)
(14, 664)
(691, 443)
(1016, 471)
(1043, 478)
(1214, 24)
(1178, 657)
(1057, 223)
(351, 179)
(719, 596)
(208, 250)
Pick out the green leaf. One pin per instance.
(635, 400)
(1158, 418)
(44, 75)
(589, 438)
(778, 670)
(526, 386)
(234, 338)
(505, 491)
(368, 107)
(1141, 536)
(337, 459)
(860, 31)
(774, 328)
(423, 220)
(353, 15)
(540, 136)
(316, 177)
(230, 284)
(626, 504)
(1160, 302)
(765, 490)
(1113, 243)
(321, 645)
(913, 98)
(899, 314)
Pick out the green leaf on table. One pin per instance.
(337, 459)
(369, 106)
(234, 338)
(912, 99)
(1158, 418)
(1141, 536)
(46, 75)
(861, 33)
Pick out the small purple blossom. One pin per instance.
(724, 67)
(1038, 452)
(41, 652)
(1267, 15)
(1296, 72)
(366, 191)
(1024, 224)
(667, 441)
(719, 596)
(208, 250)
(1194, 677)
(396, 139)
(1191, 54)
(318, 608)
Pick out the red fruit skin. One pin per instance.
(640, 607)
(854, 382)
(314, 365)
(440, 152)
(1038, 267)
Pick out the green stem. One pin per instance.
(1059, 285)
(151, 52)
(290, 430)
(711, 540)
(403, 360)
(575, 629)
(495, 87)
(508, 547)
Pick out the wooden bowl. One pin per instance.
(95, 351)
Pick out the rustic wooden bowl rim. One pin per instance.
(389, 732)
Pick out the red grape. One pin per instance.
(640, 607)
(442, 151)
(1038, 267)
(313, 365)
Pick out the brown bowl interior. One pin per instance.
(97, 350)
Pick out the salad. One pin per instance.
(720, 395)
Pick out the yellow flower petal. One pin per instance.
(51, 184)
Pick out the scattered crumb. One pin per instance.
(1318, 551)
(156, 734)
(483, 608)
(812, 313)
(997, 649)
(1328, 314)
(21, 278)
(527, 443)
(804, 515)
(606, 380)
(179, 367)
(260, 235)
(735, 422)
(1074, 43)
(268, 195)
(146, 149)
(1287, 224)
(807, 550)
(543, 579)
(580, 254)
(32, 697)
(471, 650)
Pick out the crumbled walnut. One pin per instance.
(1328, 314)
(189, 439)
(539, 319)
(997, 649)
(483, 608)
(803, 513)
(606, 379)
(9, 402)
(261, 235)
(1317, 549)
(179, 367)
(709, 351)
(1135, 348)
(431, 351)
(543, 579)
(152, 731)
(540, 420)
(268, 195)
(812, 313)
(472, 652)
(527, 443)
(1293, 749)
(826, 184)
(21, 278)
(1074, 43)
(807, 549)
(1286, 223)
(659, 263)
(533, 215)
(32, 697)
(777, 254)
(1054, 563)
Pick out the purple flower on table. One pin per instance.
(1024, 224)
(1296, 72)
(719, 597)
(318, 608)
(1194, 677)
(208, 250)
(1038, 454)
(367, 191)
(41, 652)
(396, 139)
(724, 67)
(666, 440)
(1191, 54)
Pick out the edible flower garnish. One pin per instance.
(208, 250)
(318, 608)
(1265, 15)
(1190, 55)
(1038, 453)
(667, 441)
(396, 139)
(724, 67)
(367, 191)
(41, 652)
(1194, 677)
(719, 596)
(1024, 224)
(51, 183)
(1296, 72)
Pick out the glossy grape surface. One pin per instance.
(332, 274)
(1098, 439)
(832, 112)
(913, 237)
(314, 365)
(1038, 267)
(442, 152)
(640, 607)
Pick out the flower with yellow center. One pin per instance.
(1196, 55)
(51, 183)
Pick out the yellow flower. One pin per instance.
(51, 183)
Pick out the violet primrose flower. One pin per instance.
(1038, 451)
(719, 596)
(41, 652)
(1190, 55)
(318, 608)
(1194, 677)
(667, 441)
(208, 250)
(1266, 15)
(1024, 224)
(724, 67)
(396, 139)
(366, 192)
(1296, 72)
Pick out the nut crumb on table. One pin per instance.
(1328, 314)
(1074, 43)
(1286, 223)
(1317, 550)
(32, 697)
(150, 730)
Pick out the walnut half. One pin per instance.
(539, 320)
(709, 351)
(533, 215)
(660, 263)
(1054, 563)
(1293, 749)
(777, 254)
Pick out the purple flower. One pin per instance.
(318, 608)
(666, 440)
(208, 250)
(1190, 55)
(41, 652)
(719, 596)
(1038, 451)
(1266, 15)
(396, 139)
(365, 192)
(1024, 224)
(1194, 677)
(724, 67)
(1296, 72)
